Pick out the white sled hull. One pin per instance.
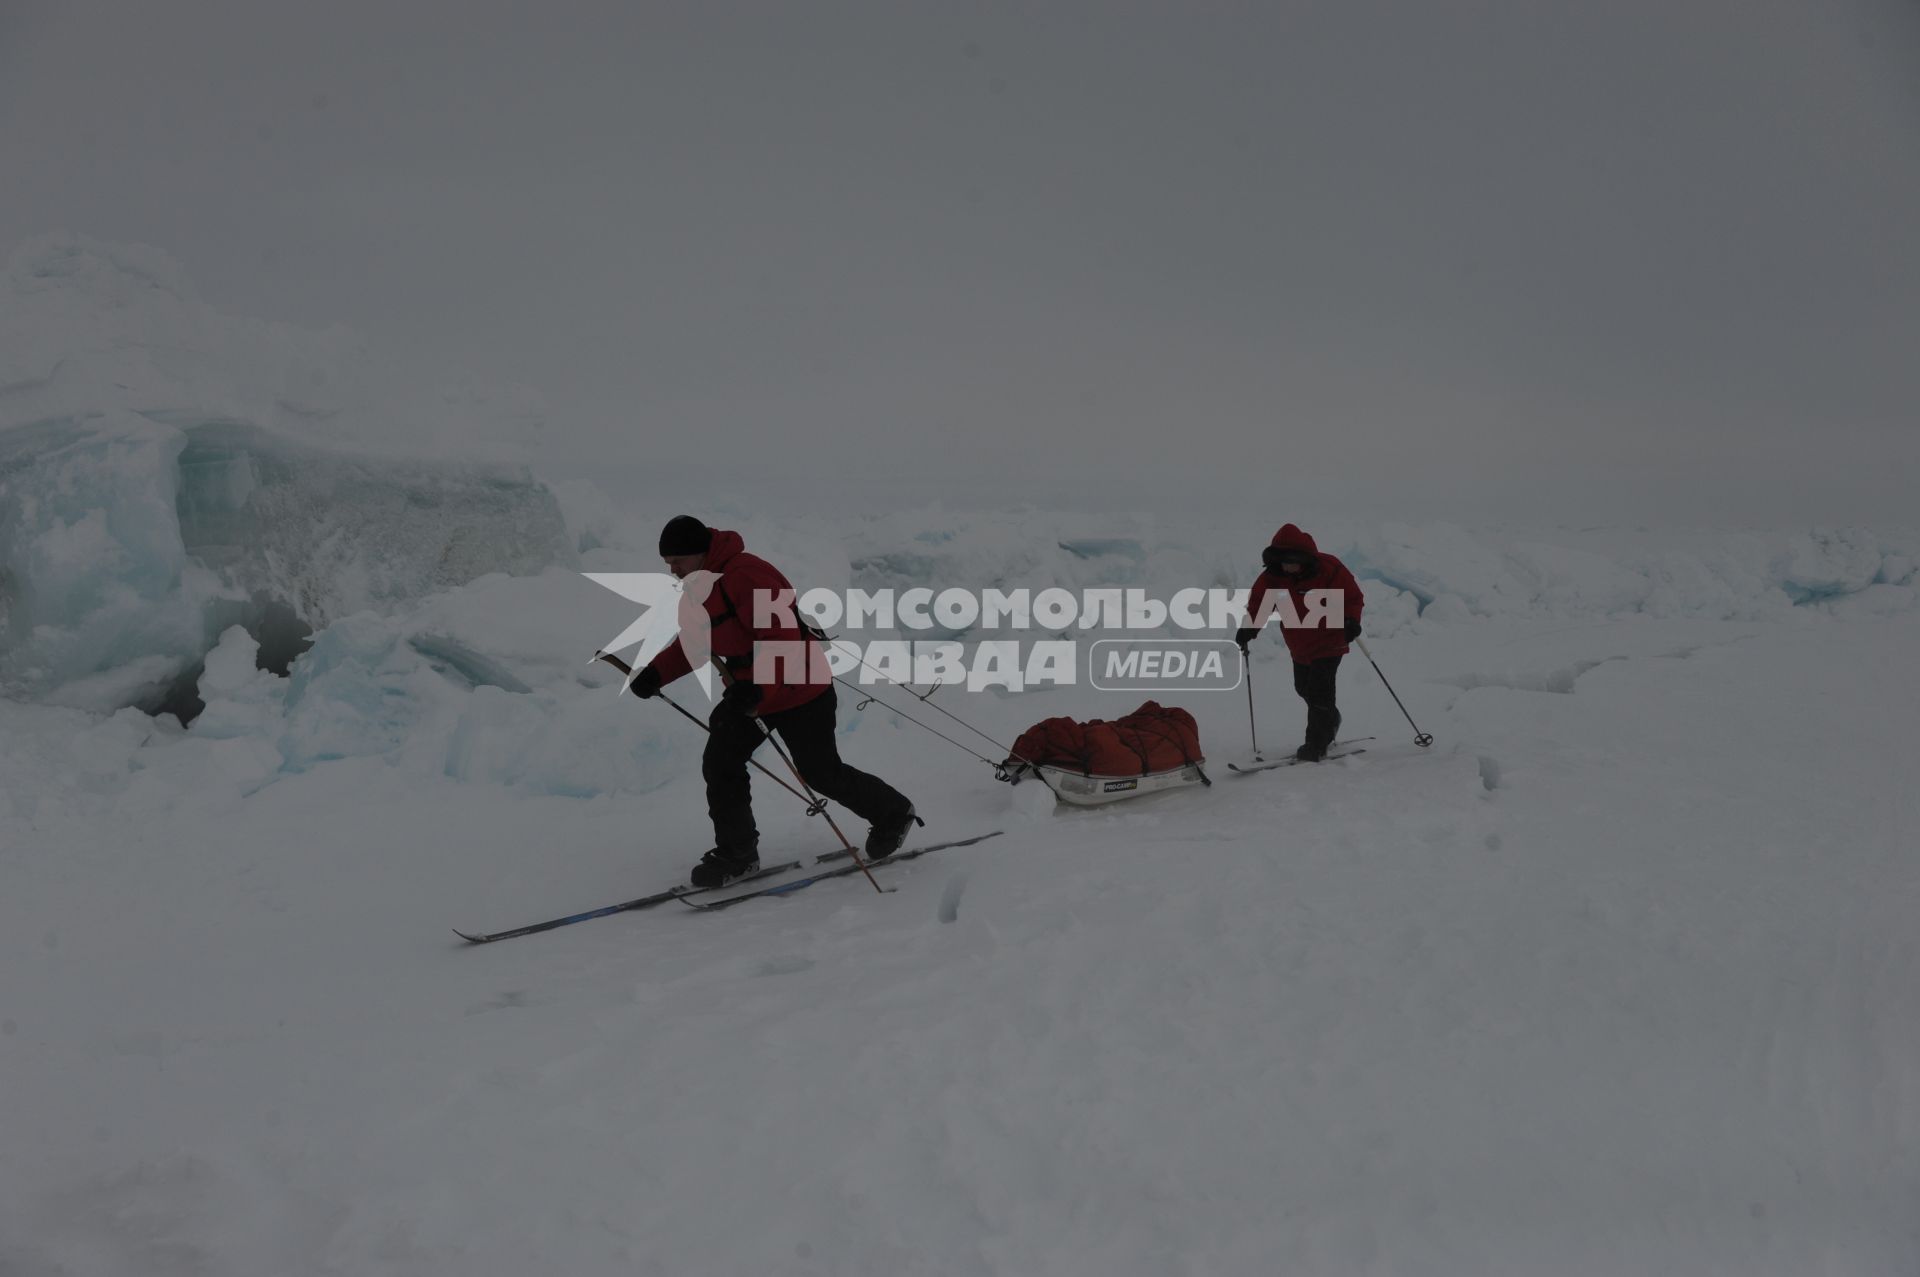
(1097, 791)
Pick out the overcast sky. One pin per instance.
(1360, 244)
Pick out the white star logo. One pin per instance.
(659, 624)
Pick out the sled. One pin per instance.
(1093, 763)
(1082, 790)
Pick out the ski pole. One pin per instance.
(816, 805)
(813, 804)
(1420, 738)
(858, 859)
(819, 804)
(1246, 664)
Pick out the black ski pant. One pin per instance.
(1314, 682)
(808, 733)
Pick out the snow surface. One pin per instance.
(1617, 977)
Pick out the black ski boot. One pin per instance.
(719, 867)
(1323, 724)
(885, 837)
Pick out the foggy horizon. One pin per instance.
(1655, 260)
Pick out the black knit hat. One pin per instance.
(1275, 555)
(684, 534)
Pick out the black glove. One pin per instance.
(646, 683)
(1246, 636)
(1353, 628)
(743, 695)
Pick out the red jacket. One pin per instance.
(788, 682)
(1323, 572)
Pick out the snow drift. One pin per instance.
(166, 471)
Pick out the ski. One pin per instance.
(1267, 764)
(644, 902)
(787, 888)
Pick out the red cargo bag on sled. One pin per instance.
(1096, 762)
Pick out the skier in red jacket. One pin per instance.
(797, 700)
(1294, 563)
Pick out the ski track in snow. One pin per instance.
(1617, 977)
